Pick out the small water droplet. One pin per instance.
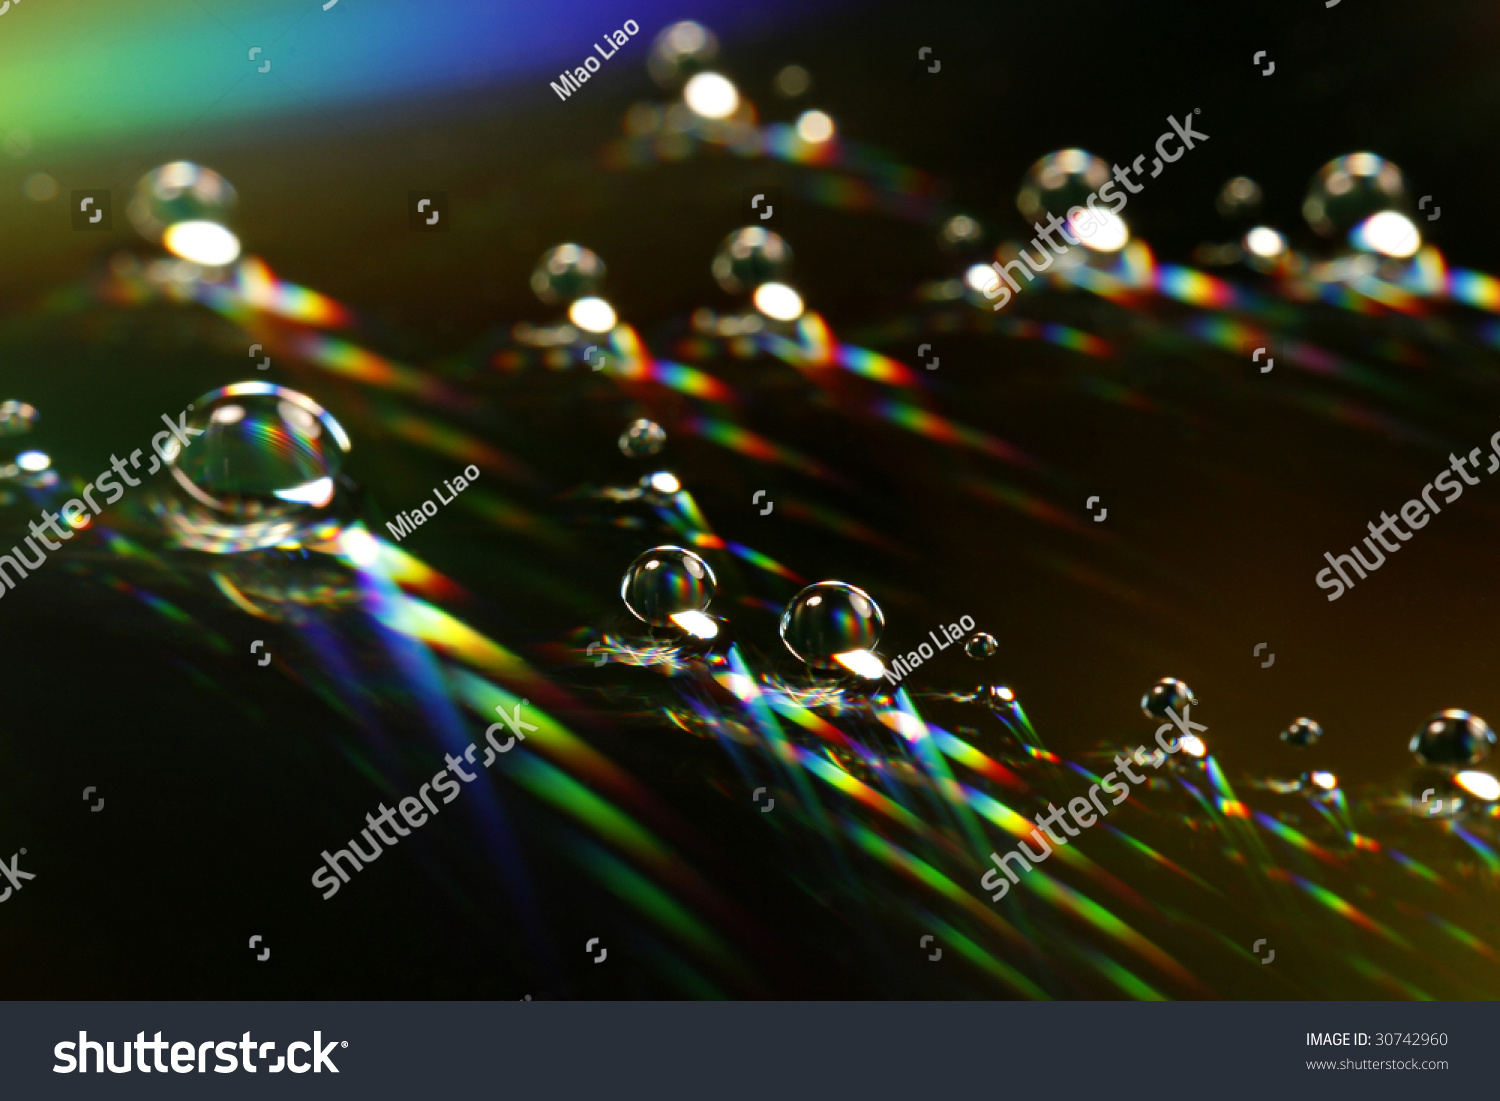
(187, 208)
(680, 51)
(981, 645)
(1302, 732)
(16, 417)
(1453, 737)
(667, 582)
(749, 257)
(1169, 692)
(829, 619)
(567, 273)
(643, 438)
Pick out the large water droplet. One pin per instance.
(642, 439)
(981, 646)
(828, 619)
(567, 273)
(749, 257)
(1348, 190)
(188, 209)
(1302, 732)
(1453, 737)
(1169, 692)
(264, 451)
(666, 586)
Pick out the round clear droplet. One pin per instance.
(1169, 692)
(1453, 738)
(567, 273)
(1302, 732)
(828, 619)
(750, 257)
(177, 193)
(667, 584)
(642, 439)
(16, 418)
(981, 645)
(1348, 190)
(1063, 181)
(263, 451)
(1239, 199)
(680, 51)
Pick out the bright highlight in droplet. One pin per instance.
(778, 301)
(593, 315)
(981, 277)
(696, 624)
(202, 243)
(862, 663)
(1387, 233)
(317, 492)
(1193, 745)
(1481, 785)
(1325, 780)
(359, 546)
(33, 461)
(814, 127)
(663, 482)
(1265, 241)
(1107, 232)
(711, 96)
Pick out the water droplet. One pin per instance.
(16, 417)
(1453, 737)
(1479, 784)
(680, 51)
(829, 619)
(1348, 190)
(749, 257)
(665, 583)
(1169, 692)
(567, 273)
(642, 438)
(793, 81)
(265, 451)
(1302, 732)
(188, 209)
(1239, 199)
(981, 646)
(1066, 179)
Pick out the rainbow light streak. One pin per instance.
(350, 360)
(638, 365)
(1417, 868)
(995, 968)
(1147, 851)
(939, 428)
(419, 620)
(1116, 973)
(1344, 910)
(636, 890)
(443, 440)
(861, 792)
(762, 561)
(1088, 911)
(1295, 839)
(1464, 937)
(751, 445)
(1474, 288)
(1030, 505)
(1384, 978)
(1196, 288)
(1486, 853)
(947, 792)
(258, 287)
(965, 754)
